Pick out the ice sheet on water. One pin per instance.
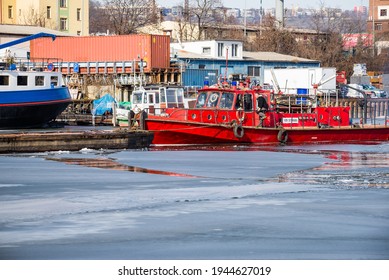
(286, 202)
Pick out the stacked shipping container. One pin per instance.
(153, 49)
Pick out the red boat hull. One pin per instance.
(174, 132)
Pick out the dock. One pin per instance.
(74, 140)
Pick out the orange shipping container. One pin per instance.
(153, 49)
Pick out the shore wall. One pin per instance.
(74, 141)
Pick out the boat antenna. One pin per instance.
(225, 73)
(277, 86)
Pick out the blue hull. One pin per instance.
(32, 108)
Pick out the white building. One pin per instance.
(221, 49)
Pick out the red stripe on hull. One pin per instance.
(36, 103)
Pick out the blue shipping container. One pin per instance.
(196, 77)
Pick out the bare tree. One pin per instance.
(98, 20)
(36, 18)
(205, 14)
(273, 39)
(125, 16)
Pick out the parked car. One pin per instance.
(353, 92)
(378, 92)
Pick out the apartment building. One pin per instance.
(379, 18)
(69, 16)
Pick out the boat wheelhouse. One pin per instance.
(154, 100)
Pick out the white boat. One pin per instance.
(154, 100)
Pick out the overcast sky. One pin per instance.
(343, 4)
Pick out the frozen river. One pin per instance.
(305, 202)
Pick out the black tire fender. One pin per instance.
(238, 131)
(282, 136)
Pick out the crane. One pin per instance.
(26, 39)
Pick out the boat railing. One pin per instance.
(29, 64)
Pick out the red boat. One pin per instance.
(227, 114)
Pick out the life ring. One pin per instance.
(282, 136)
(240, 114)
(213, 97)
(238, 131)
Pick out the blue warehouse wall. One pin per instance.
(246, 67)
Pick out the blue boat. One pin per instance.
(31, 94)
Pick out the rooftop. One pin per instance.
(258, 56)
(26, 30)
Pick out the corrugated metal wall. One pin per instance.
(196, 77)
(153, 49)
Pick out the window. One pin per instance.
(48, 11)
(201, 66)
(22, 80)
(227, 100)
(151, 99)
(207, 50)
(39, 80)
(63, 24)
(248, 102)
(220, 47)
(254, 71)
(78, 33)
(234, 50)
(212, 99)
(171, 96)
(10, 14)
(78, 14)
(4, 80)
(383, 12)
(201, 99)
(54, 80)
(62, 3)
(378, 26)
(137, 97)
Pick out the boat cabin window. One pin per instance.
(244, 101)
(226, 100)
(22, 81)
(39, 80)
(54, 80)
(157, 98)
(239, 101)
(163, 95)
(137, 97)
(151, 98)
(4, 80)
(213, 99)
(248, 102)
(174, 96)
(201, 99)
(180, 95)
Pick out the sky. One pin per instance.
(343, 4)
